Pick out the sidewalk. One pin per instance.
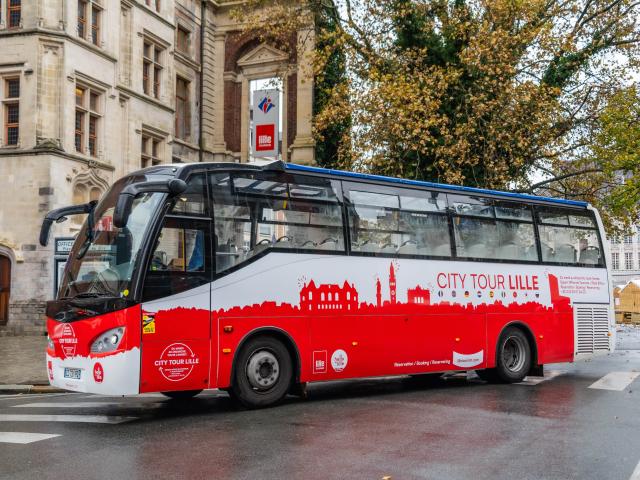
(22, 361)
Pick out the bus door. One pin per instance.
(176, 311)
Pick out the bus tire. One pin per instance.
(262, 373)
(513, 360)
(182, 394)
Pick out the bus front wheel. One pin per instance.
(513, 360)
(262, 373)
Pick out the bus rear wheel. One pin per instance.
(513, 360)
(181, 395)
(262, 373)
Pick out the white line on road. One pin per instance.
(538, 380)
(636, 473)
(66, 418)
(69, 405)
(24, 438)
(615, 381)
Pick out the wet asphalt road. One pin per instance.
(457, 428)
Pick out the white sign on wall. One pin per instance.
(266, 115)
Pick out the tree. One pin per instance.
(506, 94)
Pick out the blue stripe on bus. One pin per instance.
(419, 183)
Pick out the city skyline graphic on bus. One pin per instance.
(335, 299)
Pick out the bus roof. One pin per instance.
(293, 167)
(443, 186)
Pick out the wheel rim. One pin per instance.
(263, 370)
(513, 354)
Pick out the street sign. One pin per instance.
(266, 116)
(63, 246)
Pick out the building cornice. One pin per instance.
(186, 60)
(58, 35)
(89, 162)
(145, 98)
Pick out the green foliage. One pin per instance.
(331, 151)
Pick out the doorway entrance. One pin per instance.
(5, 288)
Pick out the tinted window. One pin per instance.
(510, 236)
(569, 236)
(398, 221)
(470, 205)
(193, 200)
(255, 212)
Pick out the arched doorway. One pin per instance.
(5, 288)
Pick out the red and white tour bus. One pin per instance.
(259, 279)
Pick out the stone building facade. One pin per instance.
(94, 89)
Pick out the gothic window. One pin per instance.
(152, 66)
(89, 21)
(11, 104)
(87, 120)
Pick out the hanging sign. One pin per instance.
(266, 115)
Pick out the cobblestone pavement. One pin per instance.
(22, 361)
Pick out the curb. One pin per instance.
(25, 389)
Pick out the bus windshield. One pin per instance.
(101, 264)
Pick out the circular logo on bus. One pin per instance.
(98, 373)
(339, 360)
(177, 362)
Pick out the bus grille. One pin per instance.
(593, 328)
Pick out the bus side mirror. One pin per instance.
(60, 215)
(127, 196)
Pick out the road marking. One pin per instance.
(69, 405)
(636, 473)
(615, 381)
(24, 438)
(66, 418)
(538, 380)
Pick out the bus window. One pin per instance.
(193, 200)
(373, 219)
(398, 221)
(568, 237)
(424, 232)
(469, 205)
(507, 235)
(181, 258)
(254, 212)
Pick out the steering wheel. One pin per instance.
(264, 242)
(283, 238)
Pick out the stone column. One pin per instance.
(244, 133)
(303, 147)
(213, 98)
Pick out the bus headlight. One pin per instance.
(108, 341)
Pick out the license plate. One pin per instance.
(73, 373)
